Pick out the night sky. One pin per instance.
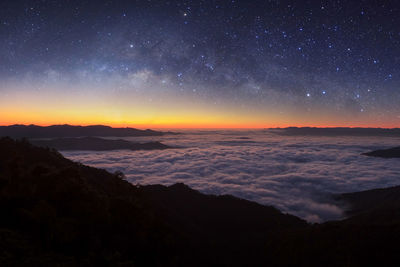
(200, 63)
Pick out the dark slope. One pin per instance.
(221, 230)
(338, 131)
(55, 210)
(33, 131)
(385, 153)
(59, 213)
(96, 144)
(374, 206)
(180, 202)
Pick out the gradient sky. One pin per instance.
(200, 63)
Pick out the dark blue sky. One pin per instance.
(326, 62)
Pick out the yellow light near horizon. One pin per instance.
(84, 109)
(53, 108)
(46, 117)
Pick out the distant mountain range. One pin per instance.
(385, 153)
(337, 131)
(56, 212)
(34, 131)
(96, 144)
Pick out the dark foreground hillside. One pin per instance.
(59, 213)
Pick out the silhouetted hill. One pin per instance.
(380, 205)
(385, 153)
(56, 210)
(220, 230)
(33, 131)
(338, 131)
(59, 213)
(95, 143)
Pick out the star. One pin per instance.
(239, 52)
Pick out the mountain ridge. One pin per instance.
(336, 131)
(66, 130)
(58, 212)
(97, 144)
(384, 153)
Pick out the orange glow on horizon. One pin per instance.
(50, 110)
(195, 120)
(187, 125)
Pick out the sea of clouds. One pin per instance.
(297, 175)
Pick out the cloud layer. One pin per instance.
(295, 174)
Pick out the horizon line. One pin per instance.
(202, 127)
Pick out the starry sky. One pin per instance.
(233, 64)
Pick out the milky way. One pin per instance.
(262, 62)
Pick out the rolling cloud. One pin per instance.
(295, 174)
